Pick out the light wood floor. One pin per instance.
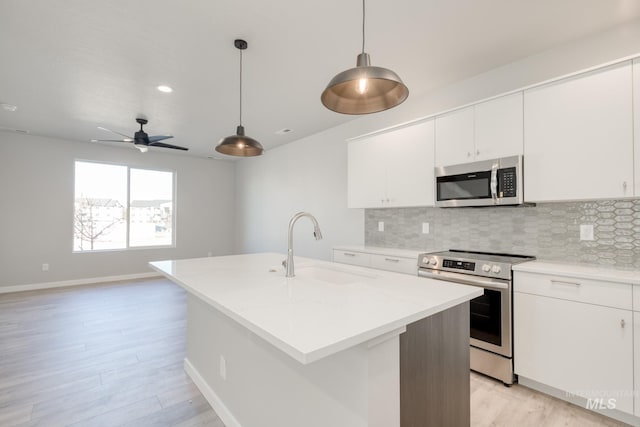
(111, 355)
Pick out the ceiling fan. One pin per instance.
(141, 140)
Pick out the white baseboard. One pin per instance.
(214, 400)
(76, 282)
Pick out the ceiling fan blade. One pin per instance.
(159, 138)
(127, 137)
(163, 145)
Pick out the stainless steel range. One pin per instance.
(492, 313)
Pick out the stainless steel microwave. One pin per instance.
(496, 182)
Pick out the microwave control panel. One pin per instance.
(507, 182)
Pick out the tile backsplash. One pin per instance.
(550, 231)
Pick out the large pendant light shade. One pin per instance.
(239, 144)
(364, 89)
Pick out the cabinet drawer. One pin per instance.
(609, 294)
(393, 263)
(353, 258)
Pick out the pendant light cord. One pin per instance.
(363, 25)
(240, 87)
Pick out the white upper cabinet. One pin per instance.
(578, 137)
(454, 137)
(498, 127)
(392, 169)
(636, 122)
(366, 172)
(483, 131)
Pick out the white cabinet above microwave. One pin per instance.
(488, 130)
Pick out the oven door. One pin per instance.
(491, 327)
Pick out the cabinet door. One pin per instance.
(366, 173)
(583, 349)
(410, 165)
(636, 123)
(454, 137)
(498, 127)
(636, 355)
(578, 139)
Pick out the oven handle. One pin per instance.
(464, 279)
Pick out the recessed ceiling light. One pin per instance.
(14, 130)
(8, 107)
(165, 89)
(283, 131)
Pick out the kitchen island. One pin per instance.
(336, 345)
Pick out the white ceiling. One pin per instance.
(73, 65)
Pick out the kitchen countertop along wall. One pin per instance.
(550, 231)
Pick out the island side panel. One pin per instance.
(434, 370)
(264, 387)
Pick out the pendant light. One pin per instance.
(364, 89)
(240, 144)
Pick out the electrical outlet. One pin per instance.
(223, 367)
(586, 231)
(425, 228)
(380, 225)
(45, 267)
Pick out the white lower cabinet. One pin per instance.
(395, 263)
(636, 350)
(398, 261)
(563, 340)
(352, 257)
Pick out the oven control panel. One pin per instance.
(490, 267)
(459, 265)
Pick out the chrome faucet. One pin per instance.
(288, 263)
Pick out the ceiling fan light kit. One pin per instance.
(364, 89)
(240, 145)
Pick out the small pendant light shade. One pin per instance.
(364, 89)
(239, 144)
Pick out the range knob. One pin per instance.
(425, 260)
(496, 269)
(486, 268)
(433, 261)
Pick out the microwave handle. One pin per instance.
(494, 182)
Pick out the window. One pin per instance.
(117, 207)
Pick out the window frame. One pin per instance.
(127, 216)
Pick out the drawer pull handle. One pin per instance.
(349, 254)
(622, 323)
(392, 259)
(559, 282)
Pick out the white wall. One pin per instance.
(311, 173)
(36, 213)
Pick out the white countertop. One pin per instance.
(608, 274)
(402, 253)
(326, 308)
